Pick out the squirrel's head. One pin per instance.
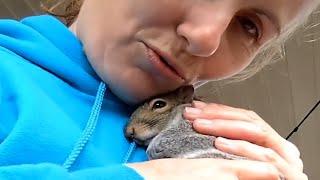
(155, 114)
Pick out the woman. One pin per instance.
(57, 122)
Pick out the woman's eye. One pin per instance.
(158, 104)
(249, 27)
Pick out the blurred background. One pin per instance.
(281, 94)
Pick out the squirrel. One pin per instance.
(158, 124)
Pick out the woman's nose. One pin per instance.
(203, 32)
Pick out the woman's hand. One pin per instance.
(251, 136)
(206, 169)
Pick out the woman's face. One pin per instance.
(141, 48)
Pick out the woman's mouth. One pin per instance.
(162, 65)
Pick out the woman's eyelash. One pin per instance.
(250, 27)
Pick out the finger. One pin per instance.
(255, 152)
(268, 138)
(291, 153)
(213, 113)
(201, 110)
(241, 130)
(231, 129)
(217, 111)
(251, 151)
(202, 105)
(286, 150)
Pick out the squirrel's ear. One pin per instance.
(186, 93)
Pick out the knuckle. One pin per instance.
(252, 115)
(264, 137)
(268, 138)
(293, 147)
(270, 155)
(300, 164)
(273, 173)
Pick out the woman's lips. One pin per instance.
(162, 66)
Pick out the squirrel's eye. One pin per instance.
(157, 104)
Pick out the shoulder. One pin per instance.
(24, 29)
(33, 29)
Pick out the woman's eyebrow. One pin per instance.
(273, 18)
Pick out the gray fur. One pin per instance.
(179, 140)
(167, 134)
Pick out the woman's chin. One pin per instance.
(131, 96)
(136, 90)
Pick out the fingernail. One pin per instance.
(203, 122)
(191, 110)
(198, 104)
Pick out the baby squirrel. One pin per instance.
(159, 125)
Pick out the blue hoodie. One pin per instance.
(57, 120)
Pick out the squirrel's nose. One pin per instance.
(130, 133)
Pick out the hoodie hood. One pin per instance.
(53, 102)
(41, 45)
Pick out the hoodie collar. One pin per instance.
(71, 47)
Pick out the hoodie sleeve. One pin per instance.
(53, 171)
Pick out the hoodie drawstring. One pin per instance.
(130, 150)
(89, 129)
